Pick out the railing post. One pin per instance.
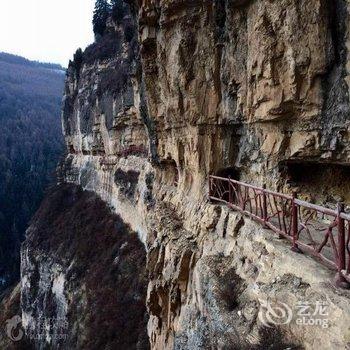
(295, 247)
(229, 191)
(341, 238)
(209, 190)
(264, 204)
(340, 280)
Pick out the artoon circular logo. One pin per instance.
(274, 313)
(12, 328)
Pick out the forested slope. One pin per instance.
(30, 145)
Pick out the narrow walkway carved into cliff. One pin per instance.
(322, 232)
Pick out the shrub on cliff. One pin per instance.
(129, 32)
(107, 47)
(118, 11)
(77, 62)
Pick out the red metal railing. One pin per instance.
(310, 228)
(133, 150)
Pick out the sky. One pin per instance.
(45, 30)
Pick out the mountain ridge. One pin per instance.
(20, 60)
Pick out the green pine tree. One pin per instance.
(101, 13)
(117, 10)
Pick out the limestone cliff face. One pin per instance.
(180, 89)
(250, 84)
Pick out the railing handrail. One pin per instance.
(282, 195)
(306, 204)
(316, 207)
(132, 149)
(284, 214)
(345, 216)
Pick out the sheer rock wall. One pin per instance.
(257, 87)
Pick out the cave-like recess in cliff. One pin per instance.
(319, 182)
(231, 172)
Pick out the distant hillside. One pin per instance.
(6, 57)
(30, 146)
